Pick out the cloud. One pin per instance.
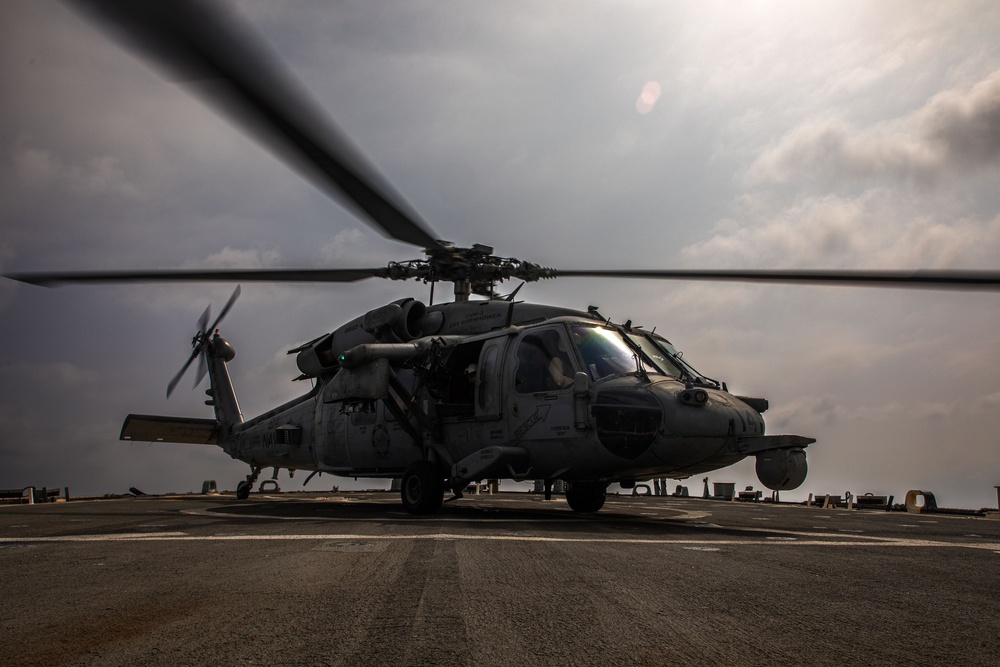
(832, 410)
(32, 389)
(966, 127)
(518, 128)
(237, 258)
(37, 167)
(955, 132)
(812, 230)
(875, 229)
(353, 247)
(42, 378)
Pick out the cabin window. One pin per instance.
(463, 373)
(362, 412)
(488, 380)
(455, 388)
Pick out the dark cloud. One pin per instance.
(516, 125)
(956, 132)
(967, 126)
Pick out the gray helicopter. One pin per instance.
(441, 395)
(445, 395)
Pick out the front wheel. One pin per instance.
(243, 490)
(586, 496)
(422, 489)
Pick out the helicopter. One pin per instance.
(441, 395)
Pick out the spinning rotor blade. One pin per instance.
(200, 341)
(228, 65)
(177, 378)
(203, 320)
(206, 333)
(232, 69)
(954, 280)
(197, 275)
(922, 279)
(201, 372)
(225, 309)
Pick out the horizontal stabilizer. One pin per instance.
(153, 428)
(760, 443)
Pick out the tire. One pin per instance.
(422, 489)
(243, 490)
(586, 497)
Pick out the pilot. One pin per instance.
(560, 369)
(542, 363)
(470, 374)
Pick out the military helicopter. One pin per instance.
(441, 395)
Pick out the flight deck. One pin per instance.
(507, 579)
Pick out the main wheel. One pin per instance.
(243, 490)
(422, 488)
(586, 496)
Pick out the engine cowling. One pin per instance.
(398, 322)
(782, 469)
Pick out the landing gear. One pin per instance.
(244, 487)
(422, 489)
(586, 496)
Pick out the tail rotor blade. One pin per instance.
(203, 320)
(180, 374)
(202, 370)
(225, 310)
(200, 341)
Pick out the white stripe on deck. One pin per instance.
(804, 540)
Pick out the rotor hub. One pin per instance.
(475, 266)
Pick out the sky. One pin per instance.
(619, 135)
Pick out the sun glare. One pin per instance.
(648, 97)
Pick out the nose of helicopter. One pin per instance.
(678, 424)
(699, 423)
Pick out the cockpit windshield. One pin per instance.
(670, 360)
(662, 358)
(605, 353)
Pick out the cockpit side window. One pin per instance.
(604, 352)
(543, 363)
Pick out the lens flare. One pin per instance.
(648, 97)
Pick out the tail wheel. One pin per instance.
(586, 496)
(422, 488)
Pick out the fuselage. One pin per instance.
(515, 391)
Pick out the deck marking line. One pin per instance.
(181, 537)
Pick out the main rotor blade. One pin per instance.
(199, 275)
(203, 43)
(946, 279)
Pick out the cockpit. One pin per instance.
(606, 352)
(547, 361)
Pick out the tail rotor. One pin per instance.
(200, 343)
